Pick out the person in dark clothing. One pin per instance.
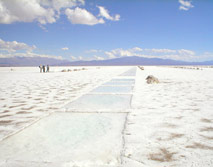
(43, 67)
(40, 68)
(48, 68)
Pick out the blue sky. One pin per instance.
(104, 29)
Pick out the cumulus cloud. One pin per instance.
(59, 4)
(121, 52)
(82, 16)
(110, 55)
(18, 49)
(73, 57)
(93, 51)
(161, 50)
(207, 56)
(42, 11)
(136, 49)
(65, 48)
(185, 4)
(105, 13)
(98, 57)
(15, 46)
(186, 52)
(49, 11)
(181, 54)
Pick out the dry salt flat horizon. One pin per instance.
(106, 116)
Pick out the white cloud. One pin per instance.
(80, 57)
(65, 48)
(73, 57)
(18, 49)
(179, 54)
(170, 56)
(49, 11)
(110, 54)
(99, 58)
(93, 51)
(182, 54)
(15, 46)
(185, 4)
(59, 4)
(161, 50)
(82, 16)
(42, 11)
(207, 56)
(136, 49)
(105, 13)
(175, 57)
(186, 52)
(122, 52)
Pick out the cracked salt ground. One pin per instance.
(167, 124)
(74, 139)
(170, 123)
(26, 95)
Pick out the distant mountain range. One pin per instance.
(133, 60)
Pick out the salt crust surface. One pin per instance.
(98, 102)
(113, 89)
(27, 95)
(65, 138)
(170, 124)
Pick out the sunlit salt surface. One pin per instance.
(130, 72)
(26, 94)
(113, 89)
(68, 139)
(123, 80)
(95, 102)
(168, 124)
(119, 84)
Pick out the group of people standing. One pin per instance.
(42, 68)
